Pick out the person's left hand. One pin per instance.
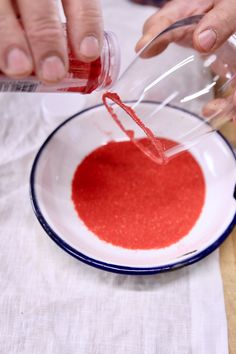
(213, 30)
(216, 26)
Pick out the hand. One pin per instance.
(33, 39)
(213, 30)
(216, 26)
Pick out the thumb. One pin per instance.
(216, 26)
(85, 27)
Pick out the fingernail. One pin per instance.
(143, 41)
(90, 47)
(207, 39)
(53, 69)
(18, 63)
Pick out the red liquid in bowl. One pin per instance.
(128, 200)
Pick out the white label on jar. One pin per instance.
(10, 85)
(31, 84)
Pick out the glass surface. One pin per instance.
(170, 93)
(167, 73)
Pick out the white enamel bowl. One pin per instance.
(66, 147)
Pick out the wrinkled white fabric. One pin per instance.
(51, 303)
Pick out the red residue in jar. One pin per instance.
(87, 72)
(130, 201)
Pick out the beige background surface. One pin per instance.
(228, 265)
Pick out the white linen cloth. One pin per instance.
(50, 303)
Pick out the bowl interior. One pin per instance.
(68, 145)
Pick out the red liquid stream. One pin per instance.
(130, 201)
(154, 149)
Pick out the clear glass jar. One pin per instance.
(82, 77)
(181, 81)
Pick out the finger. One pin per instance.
(151, 29)
(180, 34)
(217, 113)
(15, 58)
(46, 39)
(16, 8)
(216, 26)
(234, 100)
(155, 24)
(169, 14)
(215, 106)
(85, 27)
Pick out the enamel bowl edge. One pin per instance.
(43, 201)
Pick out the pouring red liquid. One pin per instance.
(153, 147)
(130, 201)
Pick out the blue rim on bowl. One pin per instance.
(190, 259)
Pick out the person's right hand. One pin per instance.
(33, 39)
